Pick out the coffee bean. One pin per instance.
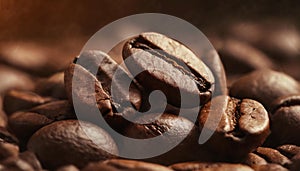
(273, 156)
(173, 129)
(285, 121)
(16, 100)
(81, 95)
(239, 57)
(71, 142)
(254, 159)
(52, 86)
(3, 116)
(243, 126)
(202, 166)
(14, 79)
(68, 168)
(295, 166)
(106, 73)
(264, 86)
(121, 164)
(31, 159)
(12, 164)
(289, 150)
(269, 167)
(170, 67)
(8, 150)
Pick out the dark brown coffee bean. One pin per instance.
(170, 67)
(71, 142)
(52, 86)
(173, 129)
(14, 79)
(107, 70)
(8, 150)
(81, 93)
(122, 165)
(199, 166)
(269, 167)
(295, 166)
(7, 137)
(16, 100)
(16, 164)
(264, 86)
(31, 159)
(289, 150)
(285, 121)
(68, 168)
(239, 57)
(254, 159)
(273, 156)
(3, 116)
(243, 126)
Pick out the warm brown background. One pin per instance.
(58, 29)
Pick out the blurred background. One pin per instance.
(41, 37)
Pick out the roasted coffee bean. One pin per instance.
(16, 100)
(8, 150)
(7, 137)
(122, 165)
(68, 168)
(273, 156)
(289, 150)
(106, 72)
(295, 166)
(239, 57)
(3, 116)
(243, 126)
(269, 167)
(173, 129)
(14, 79)
(164, 64)
(31, 159)
(71, 142)
(254, 159)
(264, 86)
(201, 166)
(16, 164)
(81, 93)
(52, 86)
(285, 121)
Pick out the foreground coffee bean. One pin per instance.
(122, 165)
(269, 167)
(31, 159)
(173, 129)
(71, 142)
(264, 86)
(285, 121)
(16, 100)
(254, 159)
(289, 150)
(201, 166)
(243, 126)
(170, 67)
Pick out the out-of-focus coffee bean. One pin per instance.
(52, 86)
(8, 150)
(71, 142)
(243, 126)
(168, 66)
(285, 121)
(16, 164)
(3, 116)
(128, 165)
(295, 166)
(11, 78)
(264, 86)
(254, 159)
(239, 57)
(68, 168)
(15, 100)
(273, 156)
(289, 150)
(31, 159)
(201, 166)
(173, 129)
(6, 136)
(269, 167)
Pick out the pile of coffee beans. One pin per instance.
(52, 123)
